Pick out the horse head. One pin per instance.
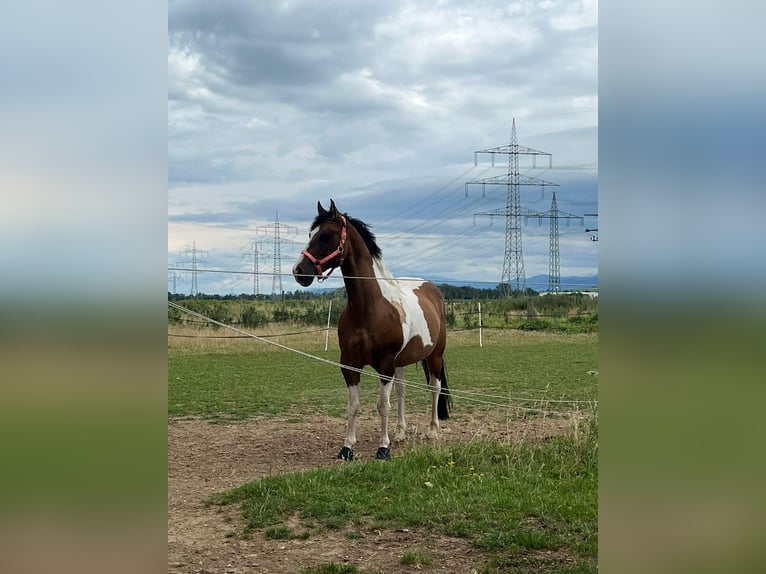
(325, 249)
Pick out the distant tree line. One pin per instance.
(468, 292)
(287, 295)
(462, 292)
(571, 312)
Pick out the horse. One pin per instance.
(387, 323)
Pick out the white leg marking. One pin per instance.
(401, 424)
(436, 386)
(353, 412)
(384, 406)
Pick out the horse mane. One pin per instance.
(361, 227)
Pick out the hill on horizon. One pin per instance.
(537, 282)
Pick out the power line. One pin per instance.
(433, 194)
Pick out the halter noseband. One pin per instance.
(338, 251)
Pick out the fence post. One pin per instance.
(481, 344)
(327, 331)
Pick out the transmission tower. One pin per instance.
(554, 267)
(256, 255)
(513, 277)
(526, 213)
(174, 277)
(277, 230)
(594, 229)
(193, 256)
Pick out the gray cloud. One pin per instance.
(273, 105)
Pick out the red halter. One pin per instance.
(338, 251)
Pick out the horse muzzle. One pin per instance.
(304, 272)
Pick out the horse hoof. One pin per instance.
(346, 454)
(383, 453)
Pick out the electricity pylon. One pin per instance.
(594, 229)
(174, 277)
(195, 255)
(277, 229)
(513, 278)
(554, 267)
(257, 255)
(554, 214)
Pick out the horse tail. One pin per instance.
(445, 399)
(444, 403)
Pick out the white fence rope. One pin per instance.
(462, 394)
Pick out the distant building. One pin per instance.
(591, 294)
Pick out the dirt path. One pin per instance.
(205, 458)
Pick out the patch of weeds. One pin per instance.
(331, 568)
(415, 559)
(519, 540)
(354, 535)
(285, 533)
(524, 563)
(536, 539)
(334, 522)
(278, 533)
(459, 529)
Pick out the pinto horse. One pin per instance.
(387, 323)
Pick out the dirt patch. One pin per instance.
(205, 458)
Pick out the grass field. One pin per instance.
(238, 378)
(523, 504)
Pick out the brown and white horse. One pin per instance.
(387, 323)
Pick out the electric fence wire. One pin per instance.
(463, 395)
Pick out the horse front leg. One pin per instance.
(384, 406)
(352, 412)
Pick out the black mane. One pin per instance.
(362, 228)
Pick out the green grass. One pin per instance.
(219, 383)
(279, 533)
(331, 568)
(414, 559)
(516, 502)
(242, 385)
(508, 499)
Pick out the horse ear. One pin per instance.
(320, 210)
(333, 209)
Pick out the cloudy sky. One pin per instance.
(380, 106)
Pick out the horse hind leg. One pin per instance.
(433, 367)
